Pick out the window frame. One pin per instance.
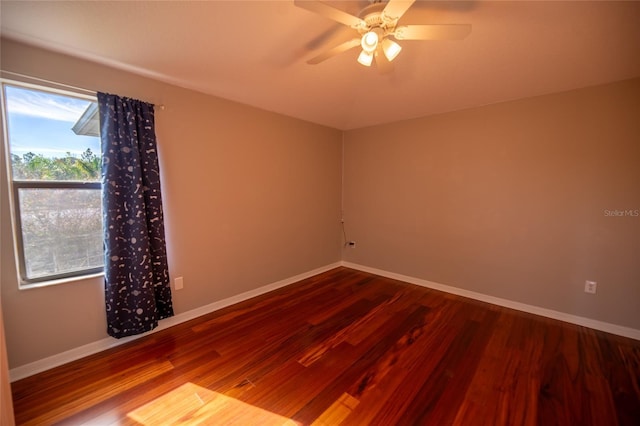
(15, 186)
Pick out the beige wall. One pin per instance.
(508, 200)
(250, 198)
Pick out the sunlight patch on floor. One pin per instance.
(193, 404)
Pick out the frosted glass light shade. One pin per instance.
(369, 41)
(390, 49)
(365, 58)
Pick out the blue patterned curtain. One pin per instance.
(137, 289)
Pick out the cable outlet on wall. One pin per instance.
(178, 283)
(351, 244)
(590, 287)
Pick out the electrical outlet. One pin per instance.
(351, 244)
(178, 283)
(590, 287)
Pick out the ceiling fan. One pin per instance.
(376, 25)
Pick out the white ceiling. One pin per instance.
(255, 52)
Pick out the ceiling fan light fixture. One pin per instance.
(369, 41)
(365, 58)
(391, 49)
(375, 24)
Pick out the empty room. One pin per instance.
(301, 212)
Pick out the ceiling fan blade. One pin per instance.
(334, 35)
(343, 47)
(330, 12)
(432, 32)
(383, 64)
(396, 8)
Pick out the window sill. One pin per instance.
(29, 286)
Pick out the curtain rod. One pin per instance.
(68, 86)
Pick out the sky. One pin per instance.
(41, 122)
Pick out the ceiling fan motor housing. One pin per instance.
(374, 18)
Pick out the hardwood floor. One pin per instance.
(346, 347)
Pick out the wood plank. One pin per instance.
(370, 363)
(337, 412)
(413, 369)
(60, 405)
(510, 370)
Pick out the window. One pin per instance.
(54, 166)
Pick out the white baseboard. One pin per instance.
(91, 348)
(109, 342)
(549, 313)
